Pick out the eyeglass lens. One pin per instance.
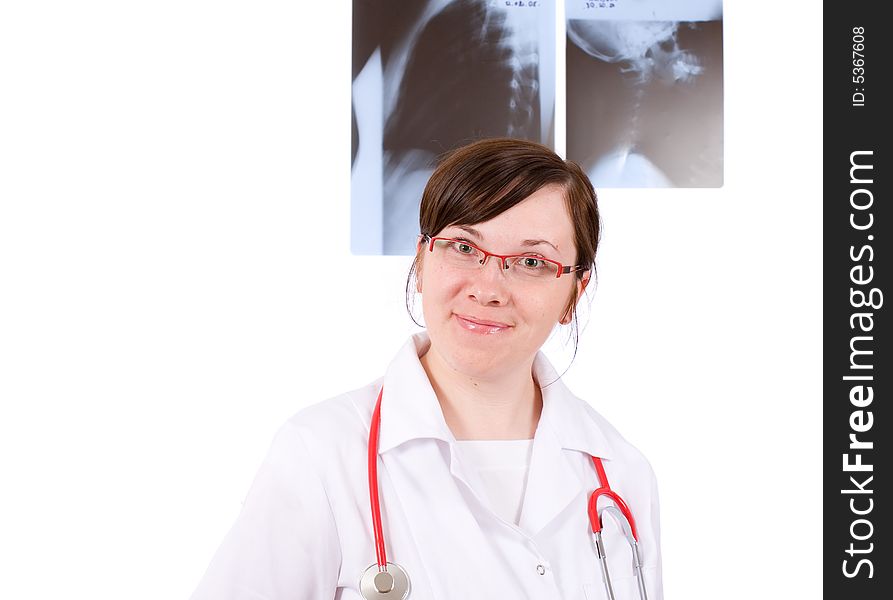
(462, 255)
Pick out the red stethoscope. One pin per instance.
(385, 580)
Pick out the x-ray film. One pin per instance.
(645, 92)
(430, 76)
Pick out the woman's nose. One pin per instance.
(489, 284)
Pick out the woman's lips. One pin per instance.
(482, 326)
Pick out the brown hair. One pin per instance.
(477, 182)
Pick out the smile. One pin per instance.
(481, 326)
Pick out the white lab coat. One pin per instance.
(305, 530)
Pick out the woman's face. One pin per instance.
(484, 323)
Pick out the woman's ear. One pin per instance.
(582, 283)
(580, 288)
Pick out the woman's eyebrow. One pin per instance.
(471, 231)
(538, 242)
(475, 233)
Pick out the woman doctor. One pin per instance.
(484, 463)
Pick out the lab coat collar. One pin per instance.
(410, 409)
(569, 418)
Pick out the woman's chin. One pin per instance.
(477, 363)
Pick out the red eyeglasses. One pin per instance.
(462, 254)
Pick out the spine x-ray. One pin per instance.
(644, 92)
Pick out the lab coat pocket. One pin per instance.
(625, 588)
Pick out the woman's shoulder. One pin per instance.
(335, 423)
(620, 447)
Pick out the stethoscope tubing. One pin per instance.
(595, 520)
(380, 555)
(605, 490)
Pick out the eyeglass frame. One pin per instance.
(562, 269)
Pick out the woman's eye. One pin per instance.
(532, 263)
(464, 248)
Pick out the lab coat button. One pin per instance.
(541, 569)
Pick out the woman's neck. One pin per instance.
(502, 407)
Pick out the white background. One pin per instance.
(175, 282)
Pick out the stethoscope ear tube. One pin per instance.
(606, 574)
(603, 563)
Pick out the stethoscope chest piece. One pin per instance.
(391, 584)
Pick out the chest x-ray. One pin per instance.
(644, 92)
(432, 75)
